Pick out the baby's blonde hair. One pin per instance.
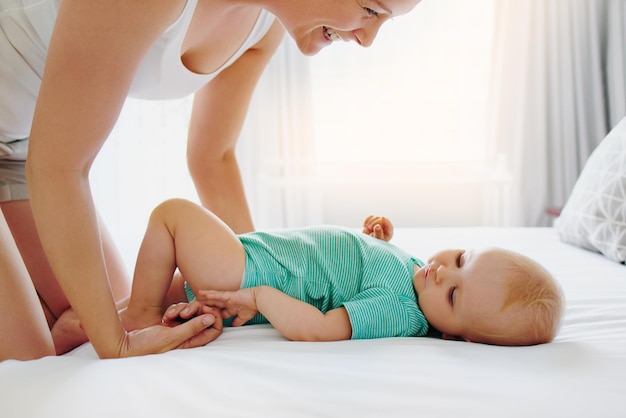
(532, 309)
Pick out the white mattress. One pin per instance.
(253, 372)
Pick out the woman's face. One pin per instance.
(314, 24)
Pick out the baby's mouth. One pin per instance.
(331, 35)
(427, 271)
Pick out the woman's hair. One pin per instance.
(533, 306)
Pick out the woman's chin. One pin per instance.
(309, 48)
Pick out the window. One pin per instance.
(410, 106)
(418, 94)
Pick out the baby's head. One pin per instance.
(491, 296)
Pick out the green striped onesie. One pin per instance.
(329, 267)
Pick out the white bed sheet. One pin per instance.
(254, 372)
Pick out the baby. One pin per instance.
(329, 283)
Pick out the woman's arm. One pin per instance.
(219, 110)
(294, 319)
(94, 52)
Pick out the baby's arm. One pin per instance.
(378, 227)
(294, 319)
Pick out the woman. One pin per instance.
(99, 53)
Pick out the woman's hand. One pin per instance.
(156, 339)
(183, 311)
(378, 227)
(67, 333)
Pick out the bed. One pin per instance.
(254, 372)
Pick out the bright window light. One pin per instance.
(418, 94)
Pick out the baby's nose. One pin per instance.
(439, 272)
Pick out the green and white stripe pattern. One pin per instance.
(329, 267)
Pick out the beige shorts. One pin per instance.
(13, 170)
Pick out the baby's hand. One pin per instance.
(378, 227)
(241, 303)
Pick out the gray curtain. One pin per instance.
(558, 86)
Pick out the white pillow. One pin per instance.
(594, 216)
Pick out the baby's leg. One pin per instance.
(184, 235)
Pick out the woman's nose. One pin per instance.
(365, 36)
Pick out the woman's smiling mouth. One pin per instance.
(331, 35)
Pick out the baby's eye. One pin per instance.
(459, 259)
(370, 12)
(451, 294)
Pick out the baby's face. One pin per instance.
(457, 287)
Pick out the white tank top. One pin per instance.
(162, 74)
(25, 30)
